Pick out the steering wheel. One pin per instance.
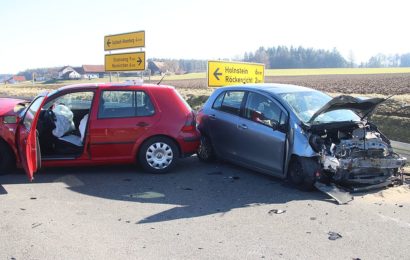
(49, 119)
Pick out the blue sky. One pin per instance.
(44, 33)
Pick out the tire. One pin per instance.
(158, 155)
(7, 160)
(205, 151)
(301, 172)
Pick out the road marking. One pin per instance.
(398, 221)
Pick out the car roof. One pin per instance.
(275, 88)
(109, 85)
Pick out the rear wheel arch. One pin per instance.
(206, 151)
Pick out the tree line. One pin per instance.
(283, 57)
(279, 57)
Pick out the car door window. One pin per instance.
(31, 112)
(262, 110)
(74, 101)
(230, 102)
(120, 104)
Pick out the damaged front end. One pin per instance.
(353, 152)
(356, 155)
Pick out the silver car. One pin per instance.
(299, 133)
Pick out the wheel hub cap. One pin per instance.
(159, 155)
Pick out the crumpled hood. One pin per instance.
(7, 105)
(362, 107)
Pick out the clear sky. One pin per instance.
(45, 33)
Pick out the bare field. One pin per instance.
(386, 84)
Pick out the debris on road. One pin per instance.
(334, 235)
(342, 197)
(33, 198)
(146, 195)
(276, 211)
(34, 225)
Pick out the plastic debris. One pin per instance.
(334, 235)
(276, 211)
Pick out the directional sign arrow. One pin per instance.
(108, 43)
(216, 73)
(139, 60)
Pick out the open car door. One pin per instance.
(28, 146)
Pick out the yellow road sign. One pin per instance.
(124, 41)
(132, 61)
(222, 73)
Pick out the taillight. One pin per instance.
(189, 125)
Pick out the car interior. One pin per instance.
(62, 125)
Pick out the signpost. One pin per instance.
(223, 73)
(124, 41)
(132, 61)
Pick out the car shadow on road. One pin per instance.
(195, 188)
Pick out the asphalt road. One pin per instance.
(200, 211)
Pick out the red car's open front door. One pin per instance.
(27, 139)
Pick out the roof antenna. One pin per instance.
(159, 82)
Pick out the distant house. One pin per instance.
(15, 79)
(157, 67)
(67, 73)
(92, 71)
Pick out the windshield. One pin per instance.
(306, 103)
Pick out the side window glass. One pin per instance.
(144, 104)
(218, 101)
(31, 112)
(261, 109)
(128, 103)
(74, 101)
(117, 104)
(232, 101)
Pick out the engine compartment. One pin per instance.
(355, 153)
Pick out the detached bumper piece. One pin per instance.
(341, 196)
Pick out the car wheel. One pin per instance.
(302, 171)
(158, 155)
(7, 160)
(205, 151)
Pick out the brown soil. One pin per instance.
(385, 84)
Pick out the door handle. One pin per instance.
(142, 124)
(243, 126)
(212, 117)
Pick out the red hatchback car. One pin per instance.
(94, 124)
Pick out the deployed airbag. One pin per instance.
(64, 120)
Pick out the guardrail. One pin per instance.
(401, 148)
